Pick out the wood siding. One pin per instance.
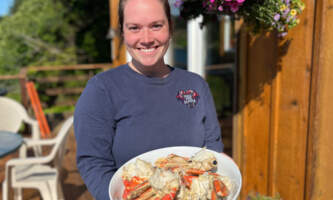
(319, 165)
(282, 120)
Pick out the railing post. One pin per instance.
(23, 79)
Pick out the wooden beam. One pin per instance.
(118, 48)
(319, 163)
(12, 77)
(290, 110)
(57, 79)
(70, 67)
(254, 112)
(58, 91)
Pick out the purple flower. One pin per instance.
(277, 17)
(286, 12)
(283, 34)
(288, 19)
(287, 1)
(280, 27)
(212, 1)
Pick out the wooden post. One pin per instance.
(23, 81)
(252, 121)
(118, 48)
(319, 163)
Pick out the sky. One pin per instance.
(5, 6)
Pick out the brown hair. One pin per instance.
(121, 8)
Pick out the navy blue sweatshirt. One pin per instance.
(122, 114)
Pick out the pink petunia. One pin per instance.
(234, 7)
(240, 1)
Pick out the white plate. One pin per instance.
(226, 167)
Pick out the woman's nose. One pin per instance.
(147, 38)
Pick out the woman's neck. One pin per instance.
(161, 70)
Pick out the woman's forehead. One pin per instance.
(141, 8)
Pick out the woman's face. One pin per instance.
(146, 31)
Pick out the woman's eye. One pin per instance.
(133, 28)
(157, 26)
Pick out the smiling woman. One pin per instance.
(142, 105)
(147, 37)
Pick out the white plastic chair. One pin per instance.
(41, 173)
(12, 116)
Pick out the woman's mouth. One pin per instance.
(148, 50)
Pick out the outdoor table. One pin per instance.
(9, 142)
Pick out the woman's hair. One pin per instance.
(121, 7)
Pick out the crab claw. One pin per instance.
(148, 194)
(213, 196)
(187, 180)
(193, 171)
(137, 191)
(220, 189)
(171, 195)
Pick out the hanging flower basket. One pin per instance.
(259, 15)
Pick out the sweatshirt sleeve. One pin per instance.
(212, 127)
(94, 132)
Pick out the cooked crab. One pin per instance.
(162, 184)
(198, 164)
(203, 187)
(174, 177)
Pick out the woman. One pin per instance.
(143, 105)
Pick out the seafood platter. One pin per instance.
(177, 173)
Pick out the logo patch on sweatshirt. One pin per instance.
(188, 97)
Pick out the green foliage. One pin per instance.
(263, 197)
(36, 34)
(91, 22)
(59, 109)
(48, 33)
(221, 93)
(267, 15)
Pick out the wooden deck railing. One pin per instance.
(23, 76)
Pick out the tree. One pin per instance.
(49, 32)
(53, 32)
(36, 34)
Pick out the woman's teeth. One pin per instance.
(148, 50)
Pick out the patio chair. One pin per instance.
(12, 117)
(41, 173)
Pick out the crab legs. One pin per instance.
(174, 177)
